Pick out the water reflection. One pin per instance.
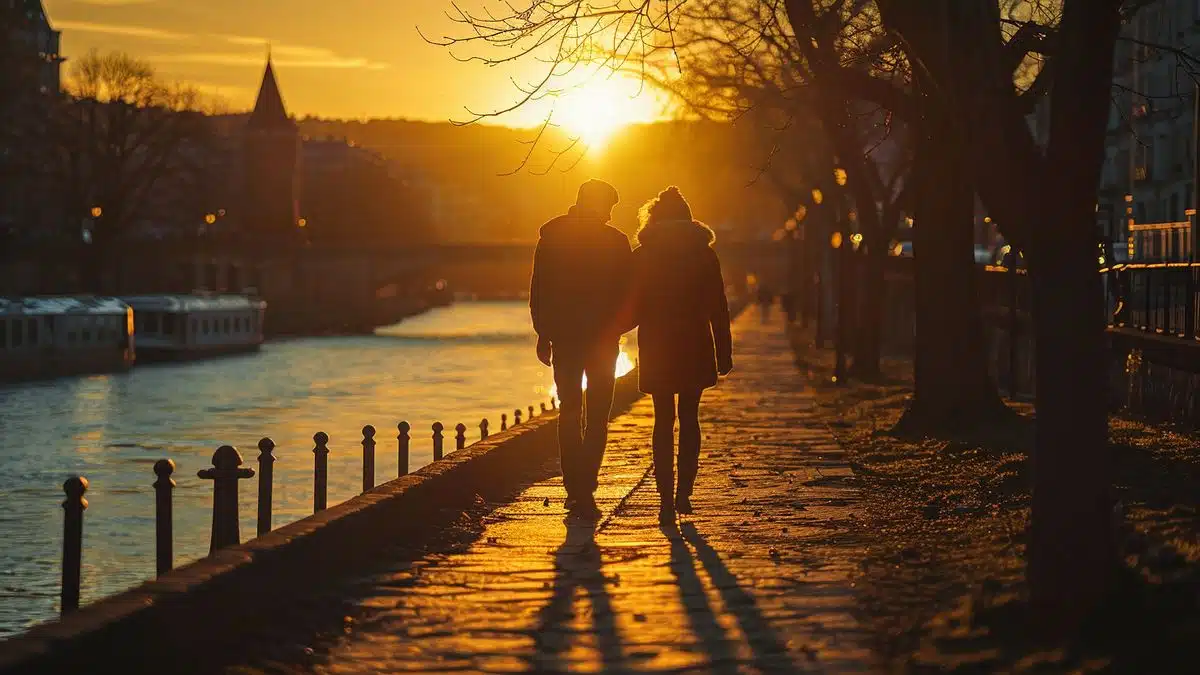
(453, 365)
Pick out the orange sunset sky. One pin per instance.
(334, 58)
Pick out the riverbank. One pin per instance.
(300, 319)
(943, 586)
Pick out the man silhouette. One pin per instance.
(580, 303)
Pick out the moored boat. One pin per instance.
(51, 336)
(181, 327)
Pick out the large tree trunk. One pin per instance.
(952, 390)
(1072, 554)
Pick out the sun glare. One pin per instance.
(597, 110)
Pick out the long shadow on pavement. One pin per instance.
(696, 605)
(577, 564)
(770, 650)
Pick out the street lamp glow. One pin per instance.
(303, 222)
(839, 175)
(97, 211)
(210, 218)
(817, 196)
(835, 240)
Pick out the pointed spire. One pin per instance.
(269, 111)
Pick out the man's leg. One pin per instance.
(568, 375)
(601, 375)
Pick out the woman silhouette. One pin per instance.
(683, 336)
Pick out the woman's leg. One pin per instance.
(689, 447)
(664, 445)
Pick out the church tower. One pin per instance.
(272, 156)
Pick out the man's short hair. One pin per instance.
(597, 195)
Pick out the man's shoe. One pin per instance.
(683, 505)
(666, 514)
(584, 508)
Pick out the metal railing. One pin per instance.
(226, 472)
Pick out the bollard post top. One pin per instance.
(503, 416)
(321, 438)
(227, 457)
(163, 468)
(75, 486)
(403, 427)
(483, 423)
(531, 411)
(368, 431)
(226, 461)
(461, 428)
(266, 446)
(437, 427)
(543, 408)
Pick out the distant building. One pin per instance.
(272, 161)
(1149, 169)
(32, 33)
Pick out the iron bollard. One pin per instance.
(368, 444)
(402, 440)
(437, 441)
(164, 554)
(483, 429)
(266, 478)
(225, 475)
(516, 417)
(553, 403)
(320, 470)
(543, 408)
(504, 422)
(530, 413)
(73, 507)
(460, 436)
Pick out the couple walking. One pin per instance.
(588, 288)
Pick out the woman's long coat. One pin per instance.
(680, 305)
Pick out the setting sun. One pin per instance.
(598, 109)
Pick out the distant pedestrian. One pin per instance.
(765, 298)
(579, 299)
(684, 338)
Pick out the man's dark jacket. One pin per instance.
(582, 275)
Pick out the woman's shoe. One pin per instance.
(683, 505)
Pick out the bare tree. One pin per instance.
(1045, 200)
(120, 135)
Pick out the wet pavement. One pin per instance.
(760, 579)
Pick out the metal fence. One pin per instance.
(226, 472)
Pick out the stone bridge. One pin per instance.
(491, 270)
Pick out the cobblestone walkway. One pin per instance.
(759, 580)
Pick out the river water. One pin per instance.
(456, 364)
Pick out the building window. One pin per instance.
(195, 327)
(3, 333)
(168, 324)
(32, 331)
(204, 325)
(227, 326)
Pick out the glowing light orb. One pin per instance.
(598, 109)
